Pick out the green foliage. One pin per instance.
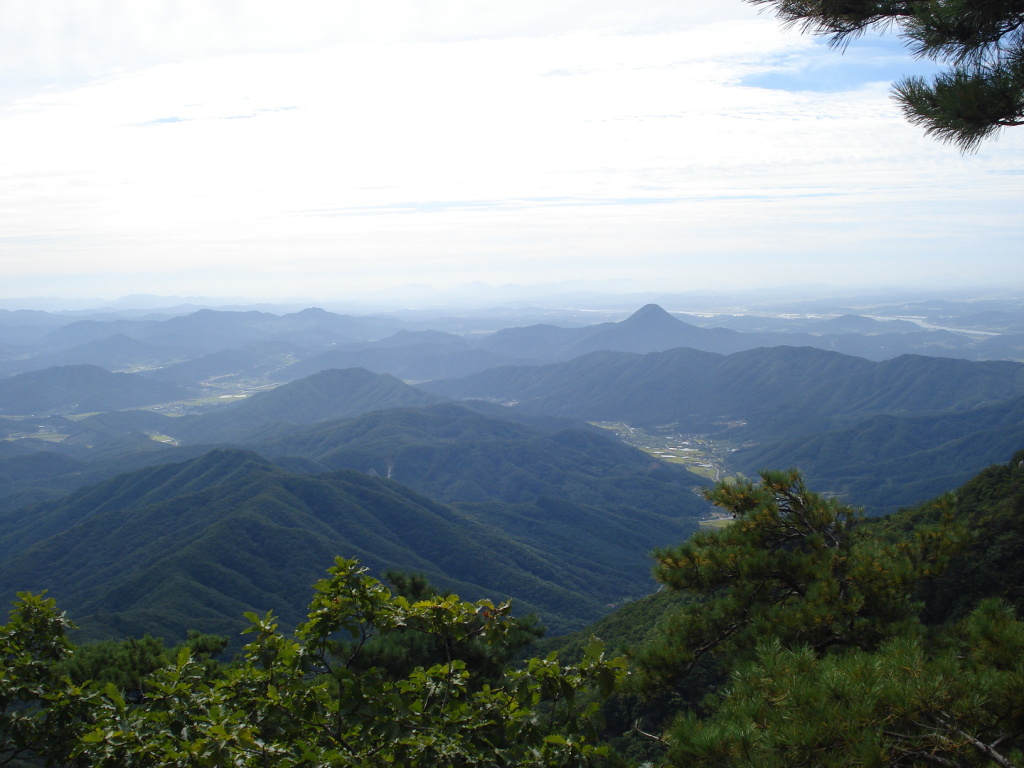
(981, 42)
(128, 663)
(306, 700)
(400, 649)
(793, 565)
(796, 583)
(991, 564)
(31, 642)
(959, 705)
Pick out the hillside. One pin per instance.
(777, 390)
(246, 363)
(991, 562)
(111, 352)
(456, 454)
(81, 389)
(325, 395)
(887, 462)
(195, 544)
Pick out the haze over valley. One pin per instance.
(582, 439)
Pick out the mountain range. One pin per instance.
(241, 344)
(245, 450)
(198, 543)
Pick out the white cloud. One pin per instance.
(444, 141)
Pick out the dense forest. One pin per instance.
(801, 633)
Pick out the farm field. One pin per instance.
(700, 455)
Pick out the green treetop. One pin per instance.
(308, 698)
(981, 42)
(792, 565)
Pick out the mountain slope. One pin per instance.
(198, 543)
(457, 455)
(778, 390)
(251, 361)
(113, 352)
(887, 462)
(412, 356)
(326, 395)
(598, 502)
(81, 389)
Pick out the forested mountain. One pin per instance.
(947, 669)
(879, 434)
(114, 353)
(456, 454)
(887, 462)
(800, 618)
(776, 390)
(326, 395)
(882, 435)
(246, 363)
(81, 389)
(409, 355)
(193, 545)
(990, 563)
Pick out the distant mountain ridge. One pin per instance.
(884, 434)
(773, 388)
(171, 346)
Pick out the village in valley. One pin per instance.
(699, 454)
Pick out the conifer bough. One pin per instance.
(981, 42)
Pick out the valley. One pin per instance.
(700, 454)
(240, 433)
(536, 464)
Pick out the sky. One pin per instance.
(319, 149)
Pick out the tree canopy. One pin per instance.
(793, 636)
(811, 612)
(309, 698)
(981, 43)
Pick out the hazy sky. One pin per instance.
(277, 150)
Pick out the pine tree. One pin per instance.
(908, 703)
(792, 565)
(981, 42)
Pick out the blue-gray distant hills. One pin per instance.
(245, 364)
(113, 353)
(325, 395)
(776, 389)
(209, 330)
(412, 355)
(74, 389)
(212, 347)
(652, 329)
